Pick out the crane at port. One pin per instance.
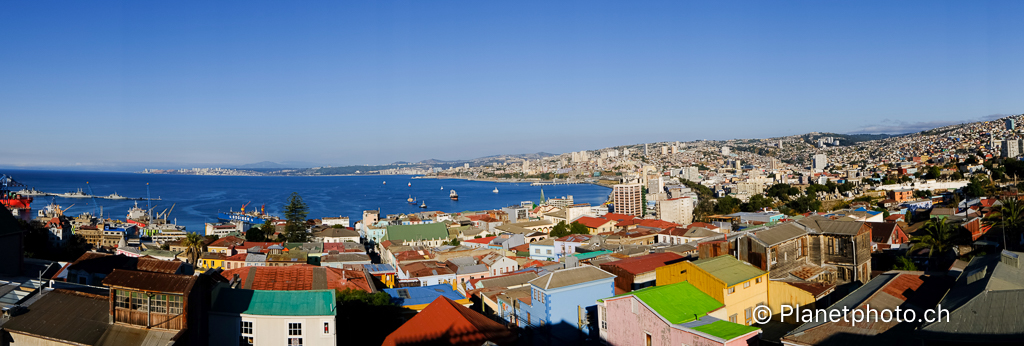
(60, 212)
(95, 206)
(245, 205)
(163, 215)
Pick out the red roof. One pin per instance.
(228, 241)
(481, 240)
(592, 222)
(645, 263)
(445, 322)
(702, 224)
(239, 257)
(988, 202)
(618, 217)
(299, 277)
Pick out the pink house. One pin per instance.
(676, 314)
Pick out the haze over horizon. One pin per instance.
(375, 83)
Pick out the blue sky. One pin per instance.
(378, 81)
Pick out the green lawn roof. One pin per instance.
(274, 303)
(427, 231)
(729, 269)
(725, 329)
(678, 303)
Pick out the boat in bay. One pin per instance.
(454, 196)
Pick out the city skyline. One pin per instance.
(351, 84)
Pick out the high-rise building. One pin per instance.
(628, 199)
(1010, 124)
(677, 210)
(725, 151)
(1012, 147)
(690, 173)
(818, 162)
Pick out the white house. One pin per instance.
(259, 317)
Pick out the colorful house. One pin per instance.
(417, 298)
(435, 324)
(561, 301)
(272, 317)
(676, 314)
(739, 285)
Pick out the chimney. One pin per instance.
(235, 280)
(1009, 258)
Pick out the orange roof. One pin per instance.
(702, 224)
(645, 263)
(227, 241)
(299, 277)
(239, 257)
(445, 322)
(481, 240)
(592, 222)
(618, 217)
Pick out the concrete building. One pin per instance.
(725, 151)
(676, 210)
(1010, 124)
(1012, 147)
(332, 221)
(627, 199)
(818, 162)
(259, 317)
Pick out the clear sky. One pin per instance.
(369, 82)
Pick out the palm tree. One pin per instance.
(937, 235)
(193, 244)
(1009, 217)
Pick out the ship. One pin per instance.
(252, 217)
(410, 184)
(495, 190)
(20, 205)
(76, 194)
(411, 200)
(454, 196)
(424, 205)
(115, 196)
(32, 192)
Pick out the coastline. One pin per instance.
(511, 181)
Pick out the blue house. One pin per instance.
(561, 302)
(543, 250)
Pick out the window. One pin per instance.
(246, 327)
(159, 303)
(327, 327)
(294, 341)
(174, 305)
(746, 284)
(139, 301)
(757, 281)
(747, 315)
(732, 318)
(248, 341)
(604, 317)
(295, 329)
(123, 299)
(731, 290)
(549, 251)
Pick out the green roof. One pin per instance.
(589, 255)
(425, 231)
(729, 269)
(678, 303)
(725, 329)
(274, 303)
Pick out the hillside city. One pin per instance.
(799, 240)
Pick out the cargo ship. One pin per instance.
(252, 217)
(454, 196)
(19, 205)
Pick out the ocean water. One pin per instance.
(198, 199)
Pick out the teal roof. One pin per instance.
(427, 231)
(274, 303)
(729, 269)
(665, 300)
(725, 329)
(589, 255)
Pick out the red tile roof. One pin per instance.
(299, 277)
(445, 322)
(486, 240)
(592, 222)
(618, 217)
(702, 224)
(645, 263)
(228, 241)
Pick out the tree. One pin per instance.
(804, 204)
(905, 263)
(1008, 218)
(934, 172)
(560, 230)
(372, 316)
(757, 203)
(453, 242)
(295, 213)
(194, 244)
(979, 186)
(643, 201)
(937, 235)
(782, 191)
(578, 228)
(727, 205)
(957, 175)
(255, 234)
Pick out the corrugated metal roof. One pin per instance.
(729, 269)
(64, 315)
(147, 281)
(781, 233)
(273, 303)
(571, 276)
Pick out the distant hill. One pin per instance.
(264, 164)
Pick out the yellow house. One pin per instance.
(804, 294)
(211, 261)
(737, 284)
